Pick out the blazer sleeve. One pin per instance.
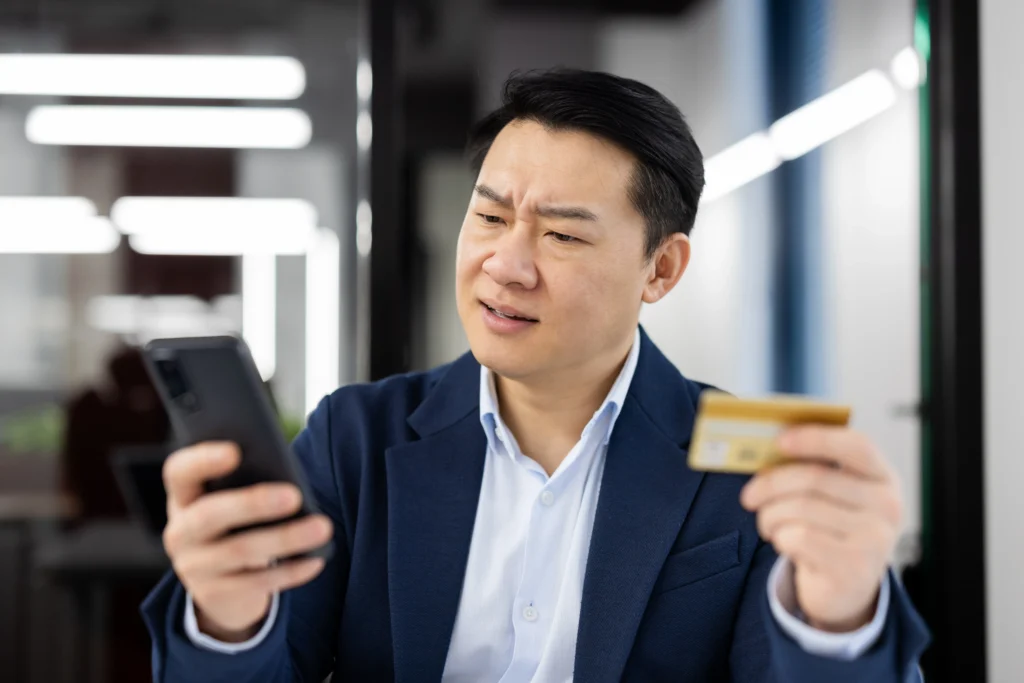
(892, 659)
(301, 645)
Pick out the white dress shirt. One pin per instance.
(519, 610)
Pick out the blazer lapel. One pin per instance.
(433, 488)
(645, 496)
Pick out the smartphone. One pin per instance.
(213, 392)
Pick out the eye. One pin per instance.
(490, 220)
(565, 239)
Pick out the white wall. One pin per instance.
(315, 174)
(715, 325)
(1002, 86)
(871, 199)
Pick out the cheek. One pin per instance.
(594, 294)
(620, 288)
(469, 258)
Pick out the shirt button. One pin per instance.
(547, 498)
(530, 613)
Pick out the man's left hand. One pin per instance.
(834, 509)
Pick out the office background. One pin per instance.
(856, 242)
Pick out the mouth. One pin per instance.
(508, 313)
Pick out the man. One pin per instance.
(526, 513)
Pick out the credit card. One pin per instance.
(738, 435)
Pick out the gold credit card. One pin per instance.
(738, 435)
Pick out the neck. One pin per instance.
(547, 415)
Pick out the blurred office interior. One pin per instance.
(291, 171)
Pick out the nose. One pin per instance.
(512, 262)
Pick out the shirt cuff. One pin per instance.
(200, 639)
(842, 646)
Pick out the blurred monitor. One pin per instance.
(139, 473)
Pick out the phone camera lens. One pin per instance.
(188, 402)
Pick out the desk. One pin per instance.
(91, 561)
(22, 516)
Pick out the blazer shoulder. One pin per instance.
(375, 414)
(387, 402)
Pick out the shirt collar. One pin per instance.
(495, 428)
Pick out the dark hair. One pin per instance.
(669, 175)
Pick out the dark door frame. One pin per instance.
(953, 571)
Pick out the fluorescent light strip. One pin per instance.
(27, 210)
(364, 130)
(323, 317)
(54, 225)
(201, 127)
(227, 240)
(364, 228)
(807, 128)
(736, 166)
(908, 68)
(216, 225)
(164, 76)
(88, 235)
(259, 310)
(159, 316)
(140, 215)
(364, 80)
(831, 115)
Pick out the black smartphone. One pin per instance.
(213, 392)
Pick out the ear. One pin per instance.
(666, 267)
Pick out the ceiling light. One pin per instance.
(216, 225)
(831, 115)
(137, 215)
(908, 69)
(26, 210)
(364, 80)
(364, 130)
(90, 235)
(736, 166)
(364, 228)
(205, 127)
(163, 76)
(224, 241)
(54, 225)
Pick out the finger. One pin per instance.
(217, 513)
(255, 549)
(797, 478)
(274, 579)
(187, 470)
(849, 449)
(806, 545)
(836, 521)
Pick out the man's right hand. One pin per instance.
(231, 578)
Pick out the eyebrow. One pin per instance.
(578, 213)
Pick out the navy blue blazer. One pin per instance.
(674, 588)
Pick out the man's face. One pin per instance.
(551, 269)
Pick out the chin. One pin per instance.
(503, 358)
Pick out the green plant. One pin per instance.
(40, 430)
(291, 426)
